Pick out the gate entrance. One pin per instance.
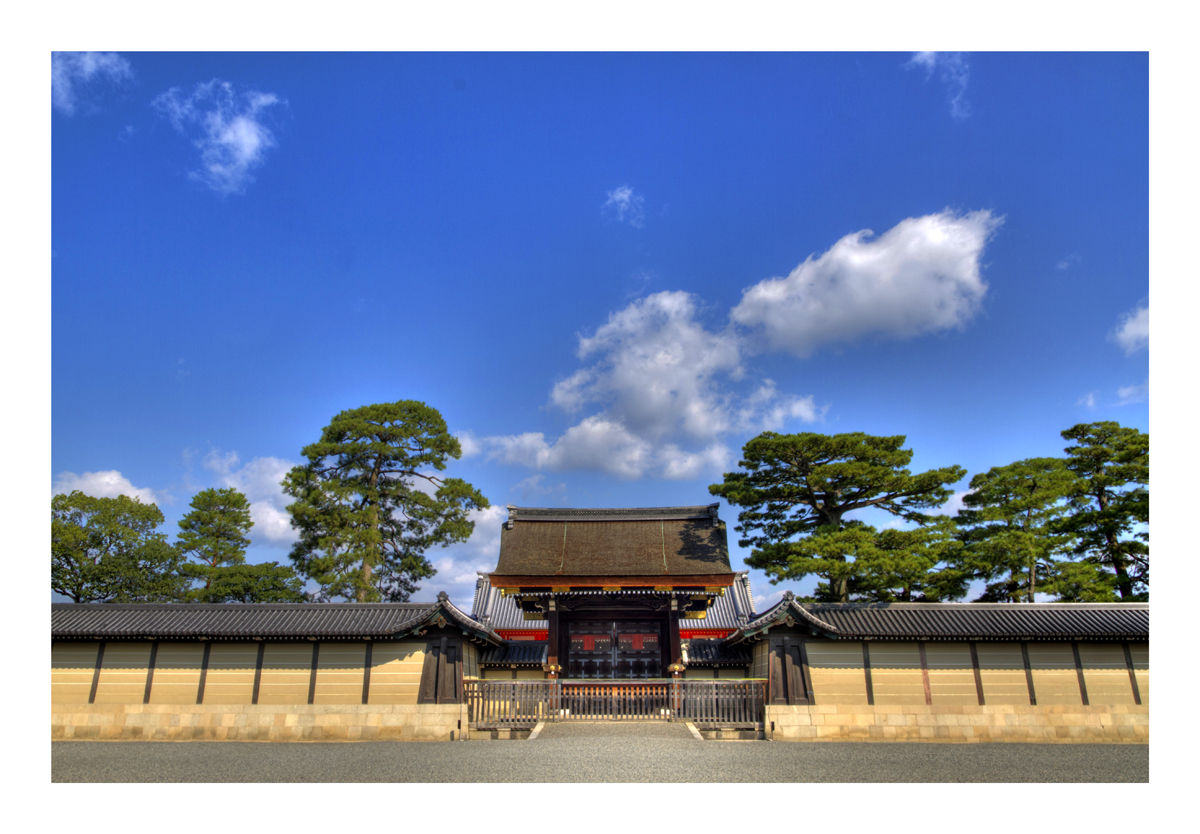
(614, 649)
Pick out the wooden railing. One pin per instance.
(521, 704)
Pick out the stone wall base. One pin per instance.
(233, 722)
(1003, 722)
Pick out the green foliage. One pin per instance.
(1111, 500)
(796, 490)
(364, 519)
(108, 550)
(267, 582)
(214, 533)
(1010, 527)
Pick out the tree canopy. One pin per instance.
(215, 535)
(368, 504)
(109, 550)
(797, 490)
(1010, 522)
(1110, 501)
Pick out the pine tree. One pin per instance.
(797, 489)
(1111, 501)
(368, 505)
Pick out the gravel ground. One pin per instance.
(595, 753)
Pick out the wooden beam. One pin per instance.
(258, 664)
(925, 672)
(978, 676)
(1028, 673)
(867, 673)
(552, 640)
(441, 671)
(96, 673)
(150, 672)
(312, 673)
(366, 693)
(806, 673)
(702, 580)
(203, 672)
(1133, 684)
(1079, 673)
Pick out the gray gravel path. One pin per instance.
(595, 753)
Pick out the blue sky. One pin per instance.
(607, 271)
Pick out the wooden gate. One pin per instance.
(522, 704)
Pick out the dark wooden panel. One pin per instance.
(1028, 674)
(806, 673)
(867, 673)
(975, 669)
(1137, 692)
(203, 672)
(312, 673)
(1079, 673)
(925, 673)
(96, 673)
(258, 664)
(150, 671)
(366, 693)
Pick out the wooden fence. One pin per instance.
(521, 704)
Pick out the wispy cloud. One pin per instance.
(77, 78)
(628, 206)
(227, 126)
(1134, 393)
(1067, 262)
(1132, 332)
(108, 484)
(1088, 400)
(953, 71)
(921, 276)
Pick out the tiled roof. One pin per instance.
(960, 621)
(515, 653)
(265, 621)
(502, 612)
(656, 541)
(714, 653)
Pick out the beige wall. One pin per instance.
(699, 672)
(951, 675)
(123, 673)
(230, 678)
(470, 660)
(177, 673)
(1002, 670)
(71, 668)
(961, 723)
(340, 670)
(1055, 680)
(895, 674)
(396, 672)
(1105, 673)
(837, 671)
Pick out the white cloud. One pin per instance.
(655, 367)
(595, 443)
(952, 506)
(470, 446)
(1133, 393)
(1088, 400)
(259, 481)
(953, 70)
(629, 207)
(1068, 262)
(1133, 330)
(73, 75)
(767, 410)
(921, 276)
(108, 484)
(228, 128)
